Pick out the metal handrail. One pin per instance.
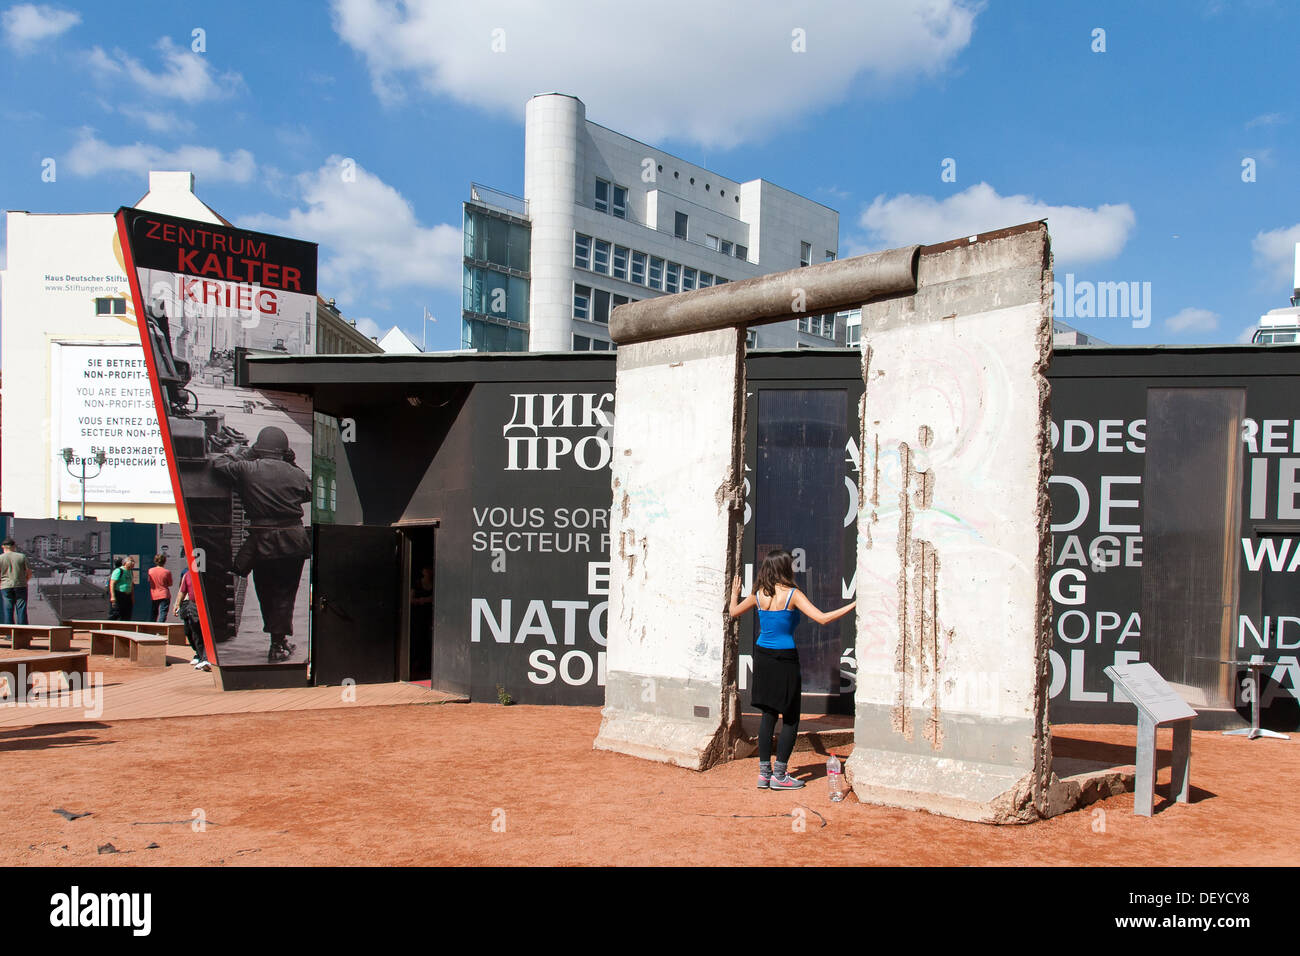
(498, 199)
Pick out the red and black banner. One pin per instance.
(239, 459)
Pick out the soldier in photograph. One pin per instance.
(273, 489)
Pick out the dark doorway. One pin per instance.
(356, 604)
(418, 565)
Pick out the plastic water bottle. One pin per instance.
(835, 777)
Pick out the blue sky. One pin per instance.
(1135, 154)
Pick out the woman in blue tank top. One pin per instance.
(778, 683)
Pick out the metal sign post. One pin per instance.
(1158, 706)
(1254, 731)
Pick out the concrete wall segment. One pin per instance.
(953, 620)
(676, 476)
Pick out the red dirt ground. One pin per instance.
(424, 785)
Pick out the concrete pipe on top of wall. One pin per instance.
(811, 290)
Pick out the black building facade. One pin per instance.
(1175, 496)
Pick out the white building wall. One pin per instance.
(564, 156)
(554, 151)
(58, 265)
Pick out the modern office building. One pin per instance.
(606, 219)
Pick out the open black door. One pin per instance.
(356, 613)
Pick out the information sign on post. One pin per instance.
(1158, 705)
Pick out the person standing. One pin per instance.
(14, 575)
(160, 588)
(188, 612)
(421, 657)
(121, 591)
(778, 681)
(273, 489)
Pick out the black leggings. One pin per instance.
(784, 746)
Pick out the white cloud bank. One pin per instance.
(26, 24)
(1079, 233)
(370, 237)
(185, 75)
(1193, 320)
(91, 156)
(157, 121)
(1275, 253)
(716, 74)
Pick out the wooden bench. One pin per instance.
(16, 670)
(20, 635)
(175, 633)
(147, 650)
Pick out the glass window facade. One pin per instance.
(492, 239)
(600, 305)
(490, 337)
(489, 292)
(823, 325)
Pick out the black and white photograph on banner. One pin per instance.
(242, 456)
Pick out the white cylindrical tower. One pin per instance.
(553, 160)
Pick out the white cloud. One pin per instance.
(1266, 119)
(26, 24)
(1275, 252)
(157, 121)
(370, 328)
(1079, 233)
(185, 75)
(711, 73)
(1247, 334)
(1193, 320)
(91, 156)
(369, 235)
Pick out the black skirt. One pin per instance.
(778, 682)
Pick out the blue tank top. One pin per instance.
(776, 628)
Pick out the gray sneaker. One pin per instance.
(786, 782)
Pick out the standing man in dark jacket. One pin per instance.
(273, 489)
